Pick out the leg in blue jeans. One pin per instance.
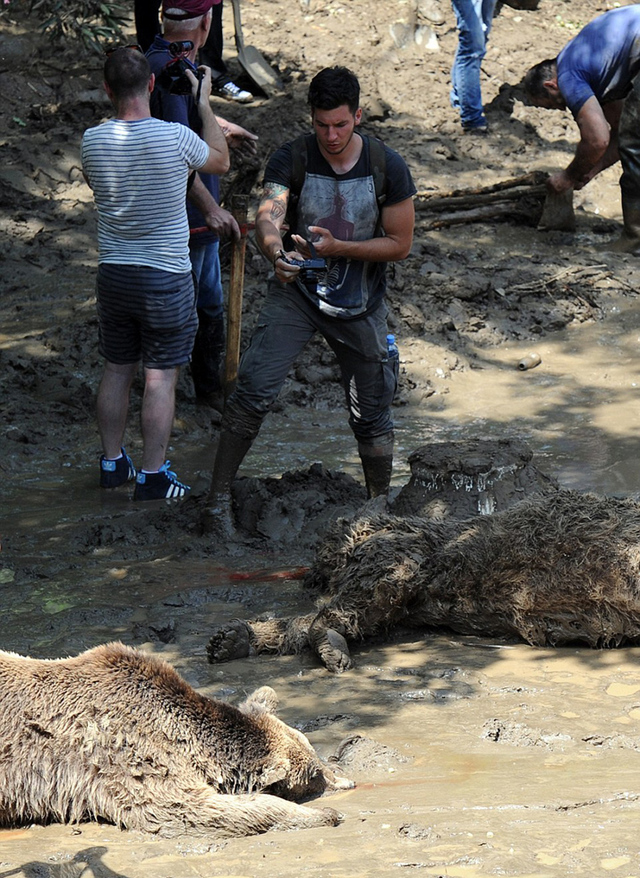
(474, 18)
(205, 263)
(209, 344)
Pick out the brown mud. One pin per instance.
(485, 758)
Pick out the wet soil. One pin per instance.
(479, 757)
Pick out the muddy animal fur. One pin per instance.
(553, 570)
(118, 735)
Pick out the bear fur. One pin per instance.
(556, 569)
(117, 735)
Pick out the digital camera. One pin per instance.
(309, 269)
(173, 76)
(315, 264)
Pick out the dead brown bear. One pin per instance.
(118, 735)
(555, 569)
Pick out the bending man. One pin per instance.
(596, 77)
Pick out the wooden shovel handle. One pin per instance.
(239, 207)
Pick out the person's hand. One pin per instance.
(283, 271)
(238, 137)
(201, 84)
(223, 223)
(561, 182)
(323, 241)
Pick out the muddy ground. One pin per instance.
(490, 758)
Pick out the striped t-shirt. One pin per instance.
(138, 172)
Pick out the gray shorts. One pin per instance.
(145, 314)
(286, 324)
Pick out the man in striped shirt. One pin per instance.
(138, 168)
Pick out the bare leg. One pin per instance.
(113, 405)
(158, 407)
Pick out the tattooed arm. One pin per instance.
(269, 221)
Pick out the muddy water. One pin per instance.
(579, 409)
(501, 759)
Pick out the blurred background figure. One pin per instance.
(148, 25)
(474, 19)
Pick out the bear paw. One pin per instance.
(229, 642)
(333, 817)
(333, 651)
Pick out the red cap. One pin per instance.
(181, 10)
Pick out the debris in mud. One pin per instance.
(461, 479)
(321, 722)
(297, 506)
(414, 830)
(359, 754)
(520, 735)
(519, 200)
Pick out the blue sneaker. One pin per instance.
(114, 473)
(163, 485)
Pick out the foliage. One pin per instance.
(91, 22)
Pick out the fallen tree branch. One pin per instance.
(535, 178)
(479, 198)
(527, 213)
(521, 198)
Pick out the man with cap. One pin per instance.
(147, 26)
(597, 77)
(191, 22)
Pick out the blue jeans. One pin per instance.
(474, 18)
(205, 263)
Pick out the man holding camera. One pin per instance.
(185, 30)
(348, 201)
(145, 294)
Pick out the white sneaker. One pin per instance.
(231, 92)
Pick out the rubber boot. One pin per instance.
(208, 349)
(218, 517)
(377, 463)
(629, 241)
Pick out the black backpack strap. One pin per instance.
(299, 160)
(378, 162)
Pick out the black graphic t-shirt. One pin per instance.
(346, 205)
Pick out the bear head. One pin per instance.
(294, 770)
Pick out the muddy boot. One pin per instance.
(208, 349)
(629, 241)
(218, 517)
(377, 463)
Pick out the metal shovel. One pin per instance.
(252, 61)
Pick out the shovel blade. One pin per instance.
(251, 60)
(256, 67)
